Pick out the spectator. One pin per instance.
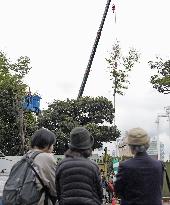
(78, 179)
(139, 180)
(105, 189)
(110, 188)
(43, 141)
(113, 177)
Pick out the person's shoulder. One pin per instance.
(65, 162)
(126, 162)
(69, 162)
(93, 163)
(156, 162)
(45, 157)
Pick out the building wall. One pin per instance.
(124, 151)
(123, 148)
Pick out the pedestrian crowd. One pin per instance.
(76, 180)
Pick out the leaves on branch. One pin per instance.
(119, 66)
(12, 90)
(161, 80)
(94, 113)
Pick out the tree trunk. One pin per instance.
(114, 96)
(21, 125)
(21, 130)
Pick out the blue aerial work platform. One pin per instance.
(32, 103)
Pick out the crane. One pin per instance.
(87, 71)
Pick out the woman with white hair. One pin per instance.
(139, 180)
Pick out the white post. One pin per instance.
(163, 115)
(168, 115)
(157, 138)
(117, 150)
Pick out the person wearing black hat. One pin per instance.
(139, 180)
(78, 179)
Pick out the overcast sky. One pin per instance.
(58, 37)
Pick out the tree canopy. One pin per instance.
(119, 66)
(96, 114)
(161, 80)
(11, 91)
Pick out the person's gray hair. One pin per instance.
(139, 148)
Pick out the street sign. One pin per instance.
(115, 165)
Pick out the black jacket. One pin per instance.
(78, 182)
(139, 181)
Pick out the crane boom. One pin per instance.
(87, 71)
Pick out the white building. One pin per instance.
(162, 152)
(153, 149)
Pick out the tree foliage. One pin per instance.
(161, 80)
(119, 67)
(96, 114)
(11, 91)
(61, 116)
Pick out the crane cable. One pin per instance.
(114, 11)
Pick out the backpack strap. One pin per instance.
(166, 174)
(45, 188)
(34, 154)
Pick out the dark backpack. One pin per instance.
(20, 188)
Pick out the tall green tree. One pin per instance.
(96, 114)
(119, 67)
(12, 90)
(161, 79)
